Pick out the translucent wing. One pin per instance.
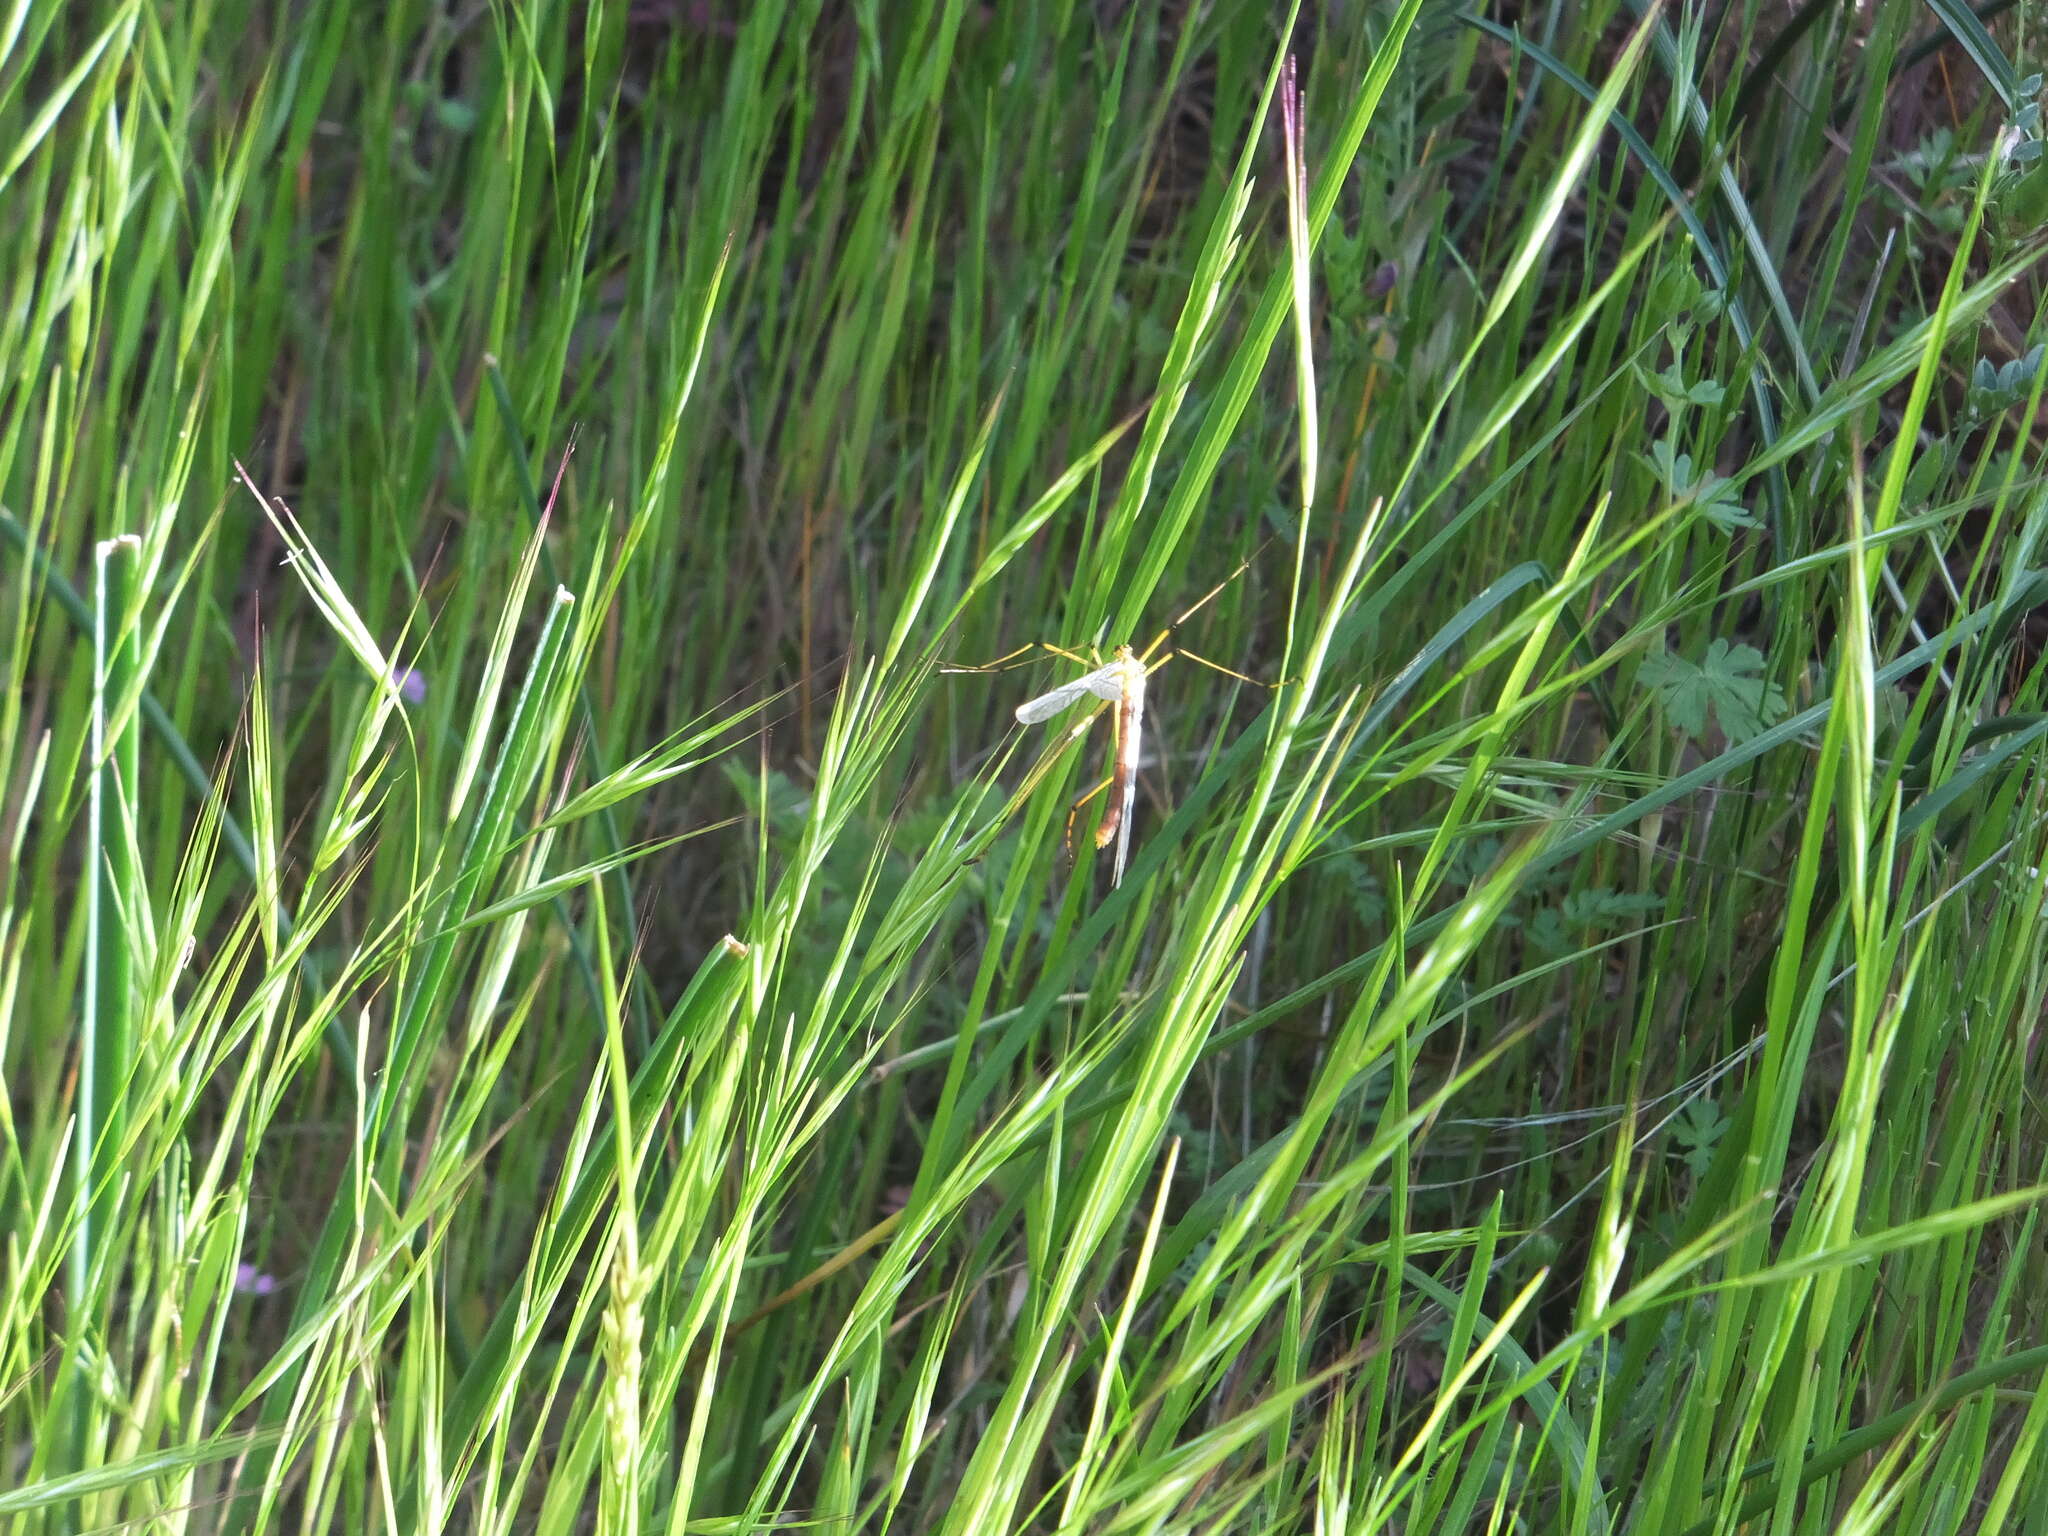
(1104, 682)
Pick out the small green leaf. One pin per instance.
(1720, 508)
(1670, 466)
(1729, 682)
(1675, 290)
(1696, 1131)
(1361, 888)
(1586, 915)
(1674, 388)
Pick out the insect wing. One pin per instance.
(1112, 682)
(1103, 682)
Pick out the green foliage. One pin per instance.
(1727, 683)
(1697, 1133)
(536, 996)
(1588, 914)
(1996, 387)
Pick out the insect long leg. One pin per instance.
(1080, 805)
(1152, 650)
(1008, 659)
(1217, 666)
(1205, 599)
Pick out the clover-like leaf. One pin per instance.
(1685, 483)
(1728, 683)
(1586, 915)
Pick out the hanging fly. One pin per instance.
(1121, 683)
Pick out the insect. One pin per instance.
(1121, 683)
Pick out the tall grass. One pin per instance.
(531, 1002)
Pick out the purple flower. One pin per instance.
(251, 1281)
(412, 684)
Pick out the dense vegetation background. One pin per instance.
(530, 1001)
